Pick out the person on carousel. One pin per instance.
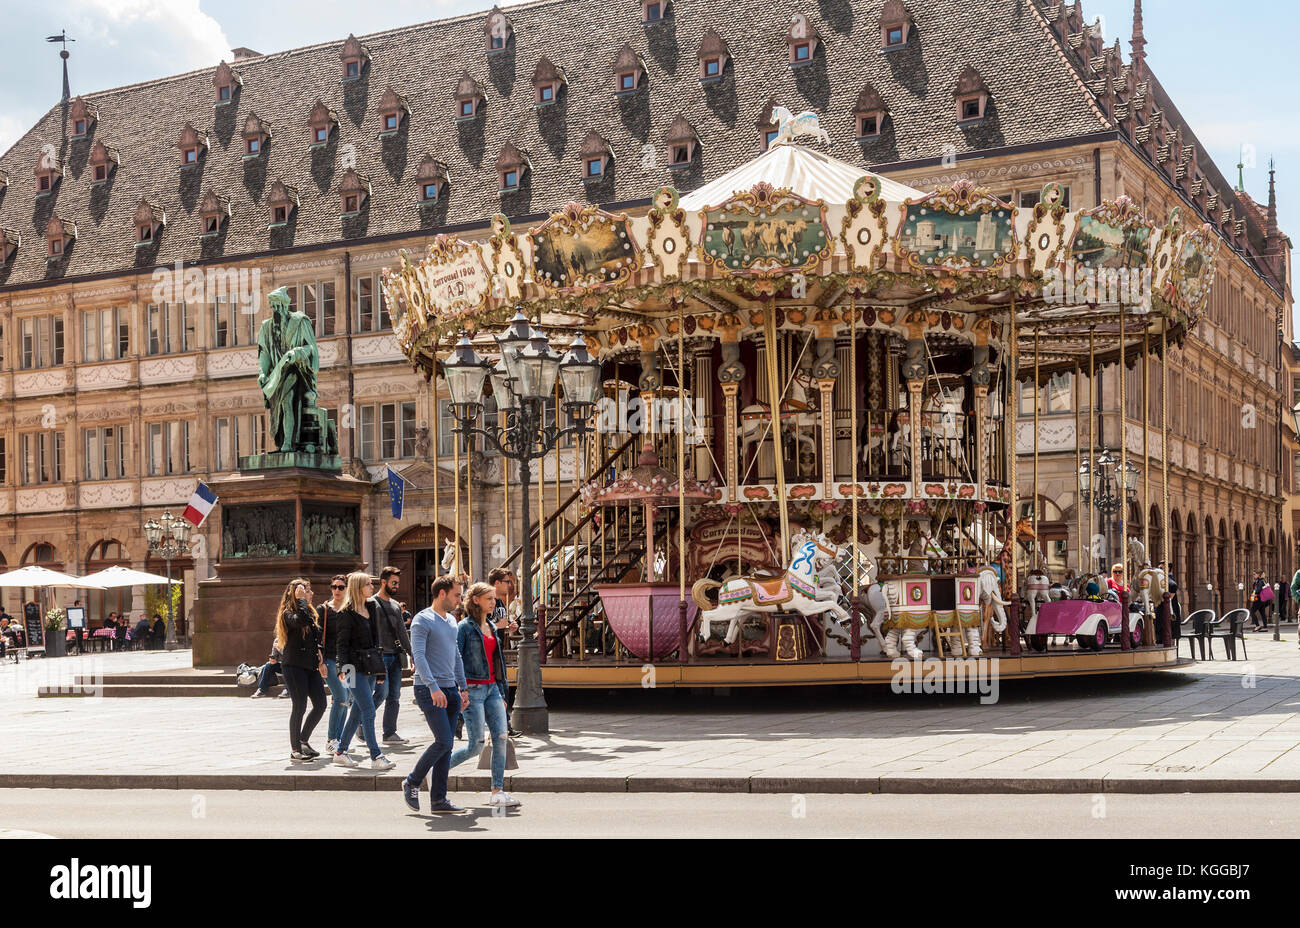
(1115, 582)
(1092, 592)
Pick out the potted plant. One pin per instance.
(56, 644)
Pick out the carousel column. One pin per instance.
(981, 377)
(730, 374)
(826, 371)
(914, 374)
(702, 416)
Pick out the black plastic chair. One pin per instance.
(1199, 622)
(1229, 628)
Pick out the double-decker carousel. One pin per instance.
(803, 463)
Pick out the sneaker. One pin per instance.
(395, 739)
(256, 694)
(381, 763)
(445, 807)
(284, 694)
(299, 757)
(309, 752)
(503, 799)
(510, 732)
(332, 746)
(345, 760)
(411, 795)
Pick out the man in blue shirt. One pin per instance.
(440, 692)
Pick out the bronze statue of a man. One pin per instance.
(287, 361)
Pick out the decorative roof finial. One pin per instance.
(1241, 177)
(1271, 214)
(1139, 41)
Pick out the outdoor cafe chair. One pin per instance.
(1230, 628)
(1199, 624)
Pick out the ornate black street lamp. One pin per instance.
(1103, 492)
(168, 538)
(522, 380)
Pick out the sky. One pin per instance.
(1232, 75)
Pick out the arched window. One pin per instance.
(106, 553)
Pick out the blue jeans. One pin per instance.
(389, 690)
(485, 700)
(268, 677)
(340, 700)
(363, 714)
(435, 761)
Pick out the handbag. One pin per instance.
(1266, 594)
(324, 624)
(485, 756)
(372, 661)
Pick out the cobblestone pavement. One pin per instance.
(1220, 720)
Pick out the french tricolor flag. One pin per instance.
(201, 504)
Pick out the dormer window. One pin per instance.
(497, 32)
(48, 172)
(282, 200)
(713, 57)
(353, 191)
(59, 234)
(225, 82)
(392, 110)
(869, 112)
(628, 71)
(213, 211)
(655, 11)
(682, 142)
(82, 115)
(595, 155)
(9, 242)
(972, 96)
(548, 79)
(512, 166)
(149, 221)
(801, 39)
(767, 127)
(321, 121)
(354, 57)
(469, 97)
(103, 161)
(256, 135)
(431, 176)
(192, 145)
(895, 25)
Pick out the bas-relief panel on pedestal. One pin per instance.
(259, 530)
(42, 499)
(232, 362)
(164, 490)
(35, 383)
(168, 370)
(331, 530)
(103, 376)
(105, 495)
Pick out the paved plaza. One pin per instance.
(1237, 722)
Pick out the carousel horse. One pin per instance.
(989, 591)
(1151, 586)
(789, 126)
(1138, 552)
(797, 409)
(798, 590)
(448, 555)
(875, 597)
(1037, 587)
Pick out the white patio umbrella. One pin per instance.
(117, 576)
(35, 576)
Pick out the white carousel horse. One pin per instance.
(1138, 552)
(448, 555)
(989, 590)
(789, 126)
(797, 590)
(1037, 589)
(1152, 585)
(796, 409)
(876, 597)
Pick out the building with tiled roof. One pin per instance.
(313, 167)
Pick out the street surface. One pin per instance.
(269, 814)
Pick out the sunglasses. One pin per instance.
(336, 586)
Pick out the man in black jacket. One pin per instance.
(395, 642)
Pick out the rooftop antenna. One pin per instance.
(62, 39)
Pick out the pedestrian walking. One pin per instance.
(1283, 600)
(395, 645)
(340, 695)
(503, 584)
(299, 639)
(1259, 588)
(485, 666)
(439, 692)
(360, 661)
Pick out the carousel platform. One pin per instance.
(604, 673)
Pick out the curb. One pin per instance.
(886, 785)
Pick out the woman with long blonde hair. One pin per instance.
(299, 639)
(360, 661)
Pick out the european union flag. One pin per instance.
(396, 489)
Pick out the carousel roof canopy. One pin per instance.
(810, 174)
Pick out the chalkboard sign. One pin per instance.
(35, 628)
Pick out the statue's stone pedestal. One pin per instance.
(278, 460)
(276, 523)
